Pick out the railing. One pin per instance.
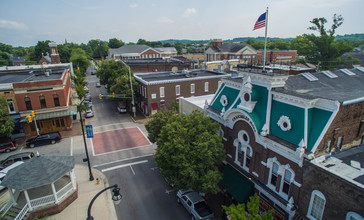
(42, 201)
(5, 208)
(64, 191)
(22, 213)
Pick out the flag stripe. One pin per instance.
(260, 22)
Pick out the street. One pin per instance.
(121, 151)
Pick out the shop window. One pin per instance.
(62, 122)
(317, 205)
(56, 100)
(42, 101)
(28, 103)
(57, 123)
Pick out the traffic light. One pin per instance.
(33, 114)
(29, 118)
(113, 94)
(100, 96)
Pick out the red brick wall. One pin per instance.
(148, 53)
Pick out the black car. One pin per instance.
(42, 139)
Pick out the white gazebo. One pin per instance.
(40, 183)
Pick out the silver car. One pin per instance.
(89, 113)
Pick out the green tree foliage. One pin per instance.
(143, 42)
(326, 49)
(116, 75)
(156, 123)
(79, 59)
(248, 212)
(4, 59)
(155, 44)
(115, 43)
(41, 48)
(99, 48)
(6, 122)
(64, 52)
(189, 152)
(6, 48)
(303, 45)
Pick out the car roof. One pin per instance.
(194, 196)
(6, 169)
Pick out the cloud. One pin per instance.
(12, 25)
(134, 5)
(189, 11)
(164, 20)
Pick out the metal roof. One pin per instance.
(38, 171)
(129, 49)
(343, 88)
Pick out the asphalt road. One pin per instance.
(145, 193)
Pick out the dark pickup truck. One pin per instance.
(195, 204)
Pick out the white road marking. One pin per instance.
(114, 129)
(168, 191)
(131, 158)
(108, 125)
(153, 168)
(132, 170)
(124, 165)
(131, 148)
(144, 136)
(71, 153)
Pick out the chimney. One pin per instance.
(217, 43)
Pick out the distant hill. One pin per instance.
(346, 37)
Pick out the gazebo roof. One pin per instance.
(38, 171)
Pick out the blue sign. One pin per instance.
(89, 131)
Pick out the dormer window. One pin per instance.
(245, 96)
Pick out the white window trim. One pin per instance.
(319, 194)
(270, 166)
(179, 90)
(206, 86)
(245, 145)
(281, 193)
(161, 92)
(12, 102)
(192, 88)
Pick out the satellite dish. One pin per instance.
(174, 69)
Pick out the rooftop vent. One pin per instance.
(309, 76)
(348, 72)
(329, 74)
(361, 68)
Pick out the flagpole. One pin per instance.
(265, 39)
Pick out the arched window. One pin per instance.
(42, 101)
(353, 216)
(28, 103)
(248, 156)
(317, 205)
(56, 100)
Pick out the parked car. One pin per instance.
(89, 113)
(85, 88)
(4, 171)
(98, 84)
(121, 107)
(88, 104)
(42, 139)
(195, 204)
(16, 157)
(7, 145)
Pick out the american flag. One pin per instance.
(260, 22)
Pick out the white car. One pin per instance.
(4, 171)
(89, 113)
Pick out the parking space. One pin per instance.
(116, 140)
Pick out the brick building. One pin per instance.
(160, 64)
(273, 125)
(53, 58)
(140, 52)
(159, 90)
(44, 89)
(277, 56)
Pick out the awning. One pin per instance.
(72, 110)
(236, 184)
(154, 106)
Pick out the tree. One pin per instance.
(189, 152)
(143, 42)
(250, 211)
(303, 45)
(326, 49)
(99, 48)
(115, 43)
(6, 122)
(116, 75)
(79, 59)
(156, 123)
(4, 59)
(41, 48)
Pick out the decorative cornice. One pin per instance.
(160, 82)
(269, 81)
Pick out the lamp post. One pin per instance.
(84, 140)
(116, 197)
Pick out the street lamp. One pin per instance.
(84, 140)
(115, 197)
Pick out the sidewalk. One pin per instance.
(103, 207)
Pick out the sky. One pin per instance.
(25, 22)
